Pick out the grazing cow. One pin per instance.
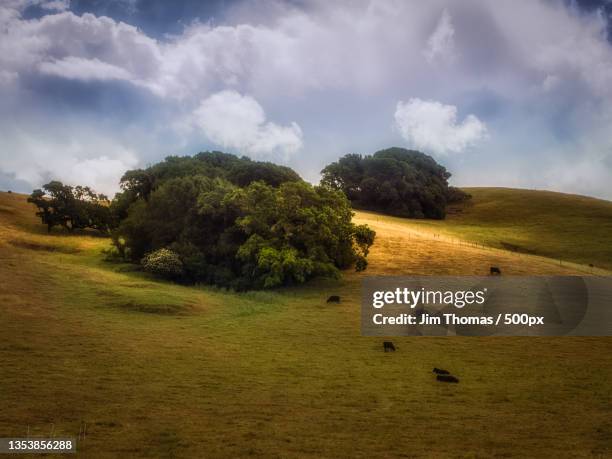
(439, 371)
(333, 299)
(447, 378)
(495, 271)
(388, 346)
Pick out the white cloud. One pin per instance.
(587, 175)
(539, 70)
(102, 172)
(550, 83)
(441, 44)
(7, 77)
(55, 5)
(358, 46)
(84, 158)
(238, 122)
(78, 68)
(77, 47)
(432, 126)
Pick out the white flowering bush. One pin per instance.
(164, 263)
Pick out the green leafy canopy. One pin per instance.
(395, 181)
(72, 207)
(238, 223)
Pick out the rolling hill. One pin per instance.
(557, 225)
(158, 369)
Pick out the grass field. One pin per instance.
(160, 370)
(557, 225)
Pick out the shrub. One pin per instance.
(164, 263)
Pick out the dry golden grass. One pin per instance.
(276, 374)
(407, 247)
(556, 225)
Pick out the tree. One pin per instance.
(72, 207)
(241, 224)
(45, 209)
(296, 232)
(140, 183)
(396, 181)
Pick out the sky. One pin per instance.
(513, 93)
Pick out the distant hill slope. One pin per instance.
(556, 225)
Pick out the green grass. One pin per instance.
(557, 225)
(160, 370)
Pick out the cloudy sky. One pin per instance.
(505, 92)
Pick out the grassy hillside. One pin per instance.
(563, 226)
(159, 370)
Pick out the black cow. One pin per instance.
(388, 346)
(333, 299)
(447, 378)
(495, 271)
(439, 371)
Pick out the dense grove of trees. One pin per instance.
(220, 219)
(256, 236)
(72, 207)
(229, 221)
(395, 181)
